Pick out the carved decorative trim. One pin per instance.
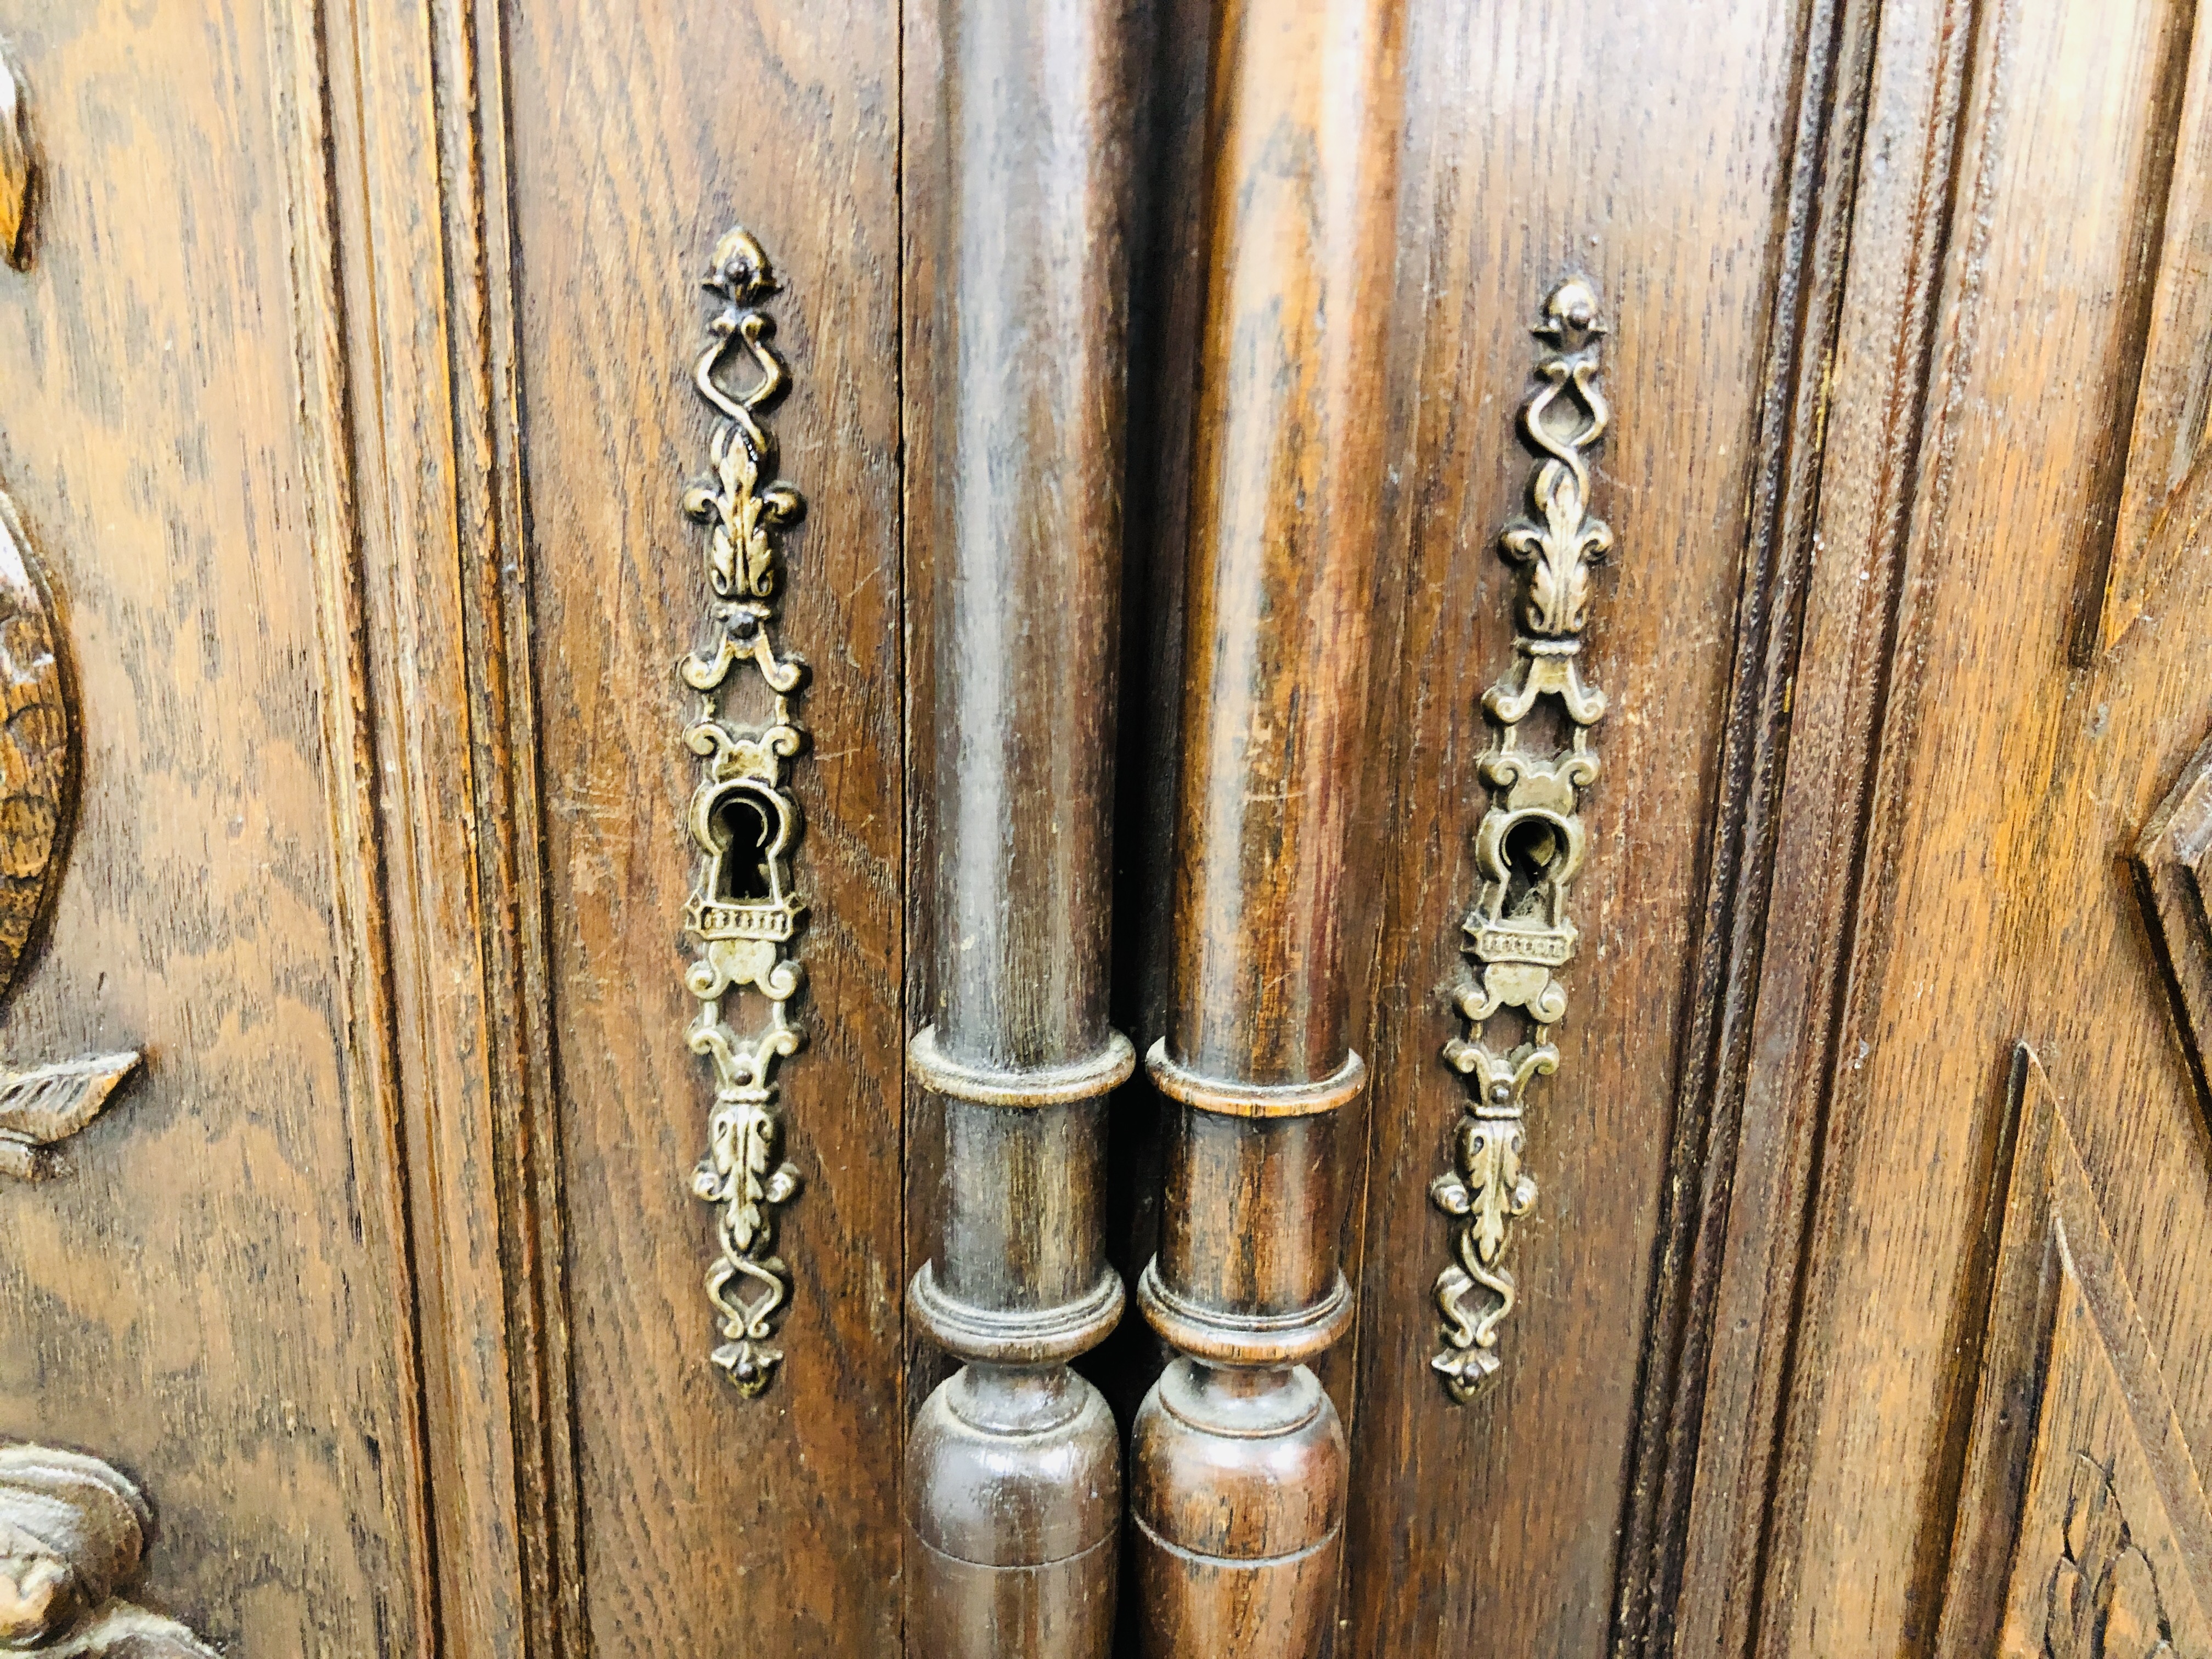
(1529, 846)
(2082, 1527)
(48, 1103)
(2171, 861)
(72, 1534)
(744, 913)
(2102, 1600)
(2166, 486)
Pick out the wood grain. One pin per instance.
(427, 344)
(17, 174)
(1014, 1482)
(2171, 862)
(38, 748)
(177, 456)
(2163, 502)
(1998, 763)
(1659, 147)
(640, 134)
(1877, 382)
(72, 1534)
(1238, 1458)
(2082, 1522)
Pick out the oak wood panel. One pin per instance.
(1658, 167)
(640, 132)
(174, 434)
(2008, 785)
(1732, 1165)
(2171, 862)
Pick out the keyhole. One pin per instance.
(742, 872)
(1530, 847)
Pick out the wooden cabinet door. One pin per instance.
(443, 1277)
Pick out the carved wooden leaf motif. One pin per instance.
(72, 1533)
(34, 746)
(2083, 1530)
(2103, 1601)
(49, 1103)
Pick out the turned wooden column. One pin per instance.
(1014, 1482)
(1238, 1461)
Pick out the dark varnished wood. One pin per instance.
(722, 1524)
(1013, 1463)
(345, 402)
(1238, 1454)
(1662, 171)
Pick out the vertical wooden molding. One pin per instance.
(1759, 1534)
(307, 102)
(511, 915)
(1856, 411)
(1730, 945)
(448, 813)
(1013, 1477)
(1238, 1458)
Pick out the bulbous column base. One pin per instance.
(1236, 1512)
(1014, 1497)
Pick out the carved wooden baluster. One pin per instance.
(1238, 1461)
(1014, 1465)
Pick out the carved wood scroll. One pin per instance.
(49, 1103)
(72, 1533)
(1528, 847)
(744, 913)
(2083, 1531)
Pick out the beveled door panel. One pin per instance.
(216, 1294)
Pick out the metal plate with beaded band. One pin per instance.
(1528, 847)
(744, 823)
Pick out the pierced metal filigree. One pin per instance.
(744, 913)
(1528, 847)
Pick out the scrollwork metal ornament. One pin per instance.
(1529, 847)
(744, 913)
